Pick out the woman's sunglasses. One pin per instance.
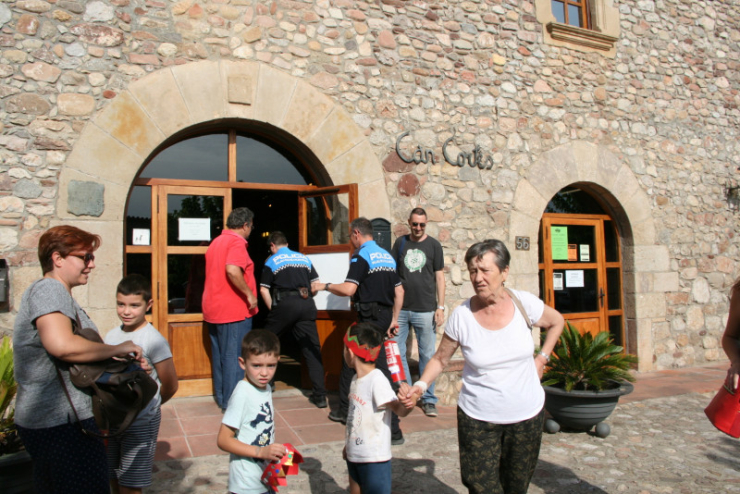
(86, 258)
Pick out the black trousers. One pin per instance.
(299, 315)
(383, 321)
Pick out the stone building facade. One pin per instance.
(641, 110)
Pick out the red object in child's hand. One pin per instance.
(275, 473)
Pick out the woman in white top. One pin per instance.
(500, 409)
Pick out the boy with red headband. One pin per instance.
(367, 447)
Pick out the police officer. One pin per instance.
(285, 287)
(377, 291)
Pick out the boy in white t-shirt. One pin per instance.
(367, 447)
(248, 427)
(131, 455)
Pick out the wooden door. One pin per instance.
(187, 219)
(323, 232)
(581, 271)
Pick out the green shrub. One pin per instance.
(585, 362)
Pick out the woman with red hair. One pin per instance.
(65, 458)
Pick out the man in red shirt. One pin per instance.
(229, 301)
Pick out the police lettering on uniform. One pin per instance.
(285, 287)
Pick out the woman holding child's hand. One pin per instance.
(65, 458)
(500, 408)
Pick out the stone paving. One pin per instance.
(660, 445)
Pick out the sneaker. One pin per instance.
(338, 416)
(319, 401)
(429, 409)
(397, 438)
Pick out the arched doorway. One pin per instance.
(179, 203)
(580, 263)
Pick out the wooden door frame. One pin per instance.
(601, 265)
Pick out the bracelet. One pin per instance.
(441, 307)
(421, 384)
(547, 357)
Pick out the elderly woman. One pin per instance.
(500, 409)
(65, 459)
(731, 337)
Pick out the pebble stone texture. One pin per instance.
(664, 107)
(661, 445)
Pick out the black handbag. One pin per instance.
(120, 388)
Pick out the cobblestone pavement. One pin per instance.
(660, 445)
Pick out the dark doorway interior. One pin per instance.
(273, 210)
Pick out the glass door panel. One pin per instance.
(194, 220)
(325, 215)
(578, 291)
(185, 282)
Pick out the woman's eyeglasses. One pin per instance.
(86, 258)
(422, 225)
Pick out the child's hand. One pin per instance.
(344, 453)
(273, 452)
(403, 392)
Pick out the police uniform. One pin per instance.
(288, 276)
(373, 270)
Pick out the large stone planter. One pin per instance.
(582, 410)
(16, 473)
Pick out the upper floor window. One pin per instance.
(571, 12)
(585, 25)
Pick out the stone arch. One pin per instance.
(596, 169)
(113, 146)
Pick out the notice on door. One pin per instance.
(574, 278)
(573, 252)
(189, 229)
(557, 281)
(141, 236)
(559, 243)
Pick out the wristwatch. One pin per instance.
(326, 287)
(547, 357)
(441, 307)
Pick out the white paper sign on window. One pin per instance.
(574, 278)
(190, 229)
(585, 253)
(557, 281)
(141, 236)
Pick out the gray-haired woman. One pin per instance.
(500, 408)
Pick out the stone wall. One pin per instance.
(664, 106)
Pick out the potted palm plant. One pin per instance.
(16, 471)
(584, 380)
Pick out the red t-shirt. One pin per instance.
(222, 302)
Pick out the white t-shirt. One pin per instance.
(368, 434)
(500, 382)
(155, 349)
(250, 412)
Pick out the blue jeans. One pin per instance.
(424, 327)
(374, 478)
(226, 348)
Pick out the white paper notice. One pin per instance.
(585, 253)
(557, 281)
(142, 236)
(193, 229)
(574, 278)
